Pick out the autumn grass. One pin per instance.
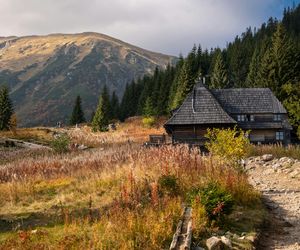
(114, 196)
(131, 131)
(277, 150)
(37, 135)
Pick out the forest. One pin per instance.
(267, 57)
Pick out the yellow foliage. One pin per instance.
(148, 121)
(228, 144)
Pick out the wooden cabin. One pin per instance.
(254, 109)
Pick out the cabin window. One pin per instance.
(250, 118)
(277, 117)
(279, 136)
(241, 118)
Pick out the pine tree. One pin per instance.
(6, 109)
(77, 114)
(219, 77)
(115, 106)
(101, 119)
(292, 103)
(148, 109)
(253, 69)
(186, 82)
(280, 63)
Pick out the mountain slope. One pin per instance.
(45, 73)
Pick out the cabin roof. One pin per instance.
(200, 107)
(204, 106)
(248, 100)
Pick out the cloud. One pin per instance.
(168, 26)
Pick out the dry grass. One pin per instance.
(131, 131)
(38, 135)
(276, 150)
(110, 197)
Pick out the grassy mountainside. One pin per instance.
(45, 73)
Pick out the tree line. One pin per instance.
(265, 57)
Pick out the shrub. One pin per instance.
(168, 184)
(61, 144)
(229, 144)
(148, 121)
(216, 200)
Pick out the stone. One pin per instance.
(226, 241)
(198, 248)
(267, 157)
(250, 238)
(214, 243)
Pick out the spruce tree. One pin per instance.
(280, 63)
(253, 69)
(101, 118)
(186, 82)
(115, 106)
(292, 103)
(148, 109)
(219, 77)
(6, 109)
(77, 114)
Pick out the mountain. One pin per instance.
(46, 73)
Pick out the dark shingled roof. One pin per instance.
(248, 100)
(200, 107)
(204, 106)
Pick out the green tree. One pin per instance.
(219, 77)
(148, 109)
(6, 109)
(186, 82)
(115, 106)
(292, 104)
(77, 114)
(101, 118)
(280, 63)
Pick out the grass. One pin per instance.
(36, 135)
(117, 195)
(276, 150)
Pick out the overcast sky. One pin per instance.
(167, 26)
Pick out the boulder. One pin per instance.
(250, 238)
(214, 243)
(226, 241)
(267, 157)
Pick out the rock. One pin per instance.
(198, 248)
(226, 241)
(250, 238)
(214, 243)
(82, 147)
(269, 171)
(267, 157)
(276, 166)
(296, 165)
(294, 174)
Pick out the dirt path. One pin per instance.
(279, 182)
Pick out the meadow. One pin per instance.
(118, 194)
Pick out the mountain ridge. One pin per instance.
(45, 72)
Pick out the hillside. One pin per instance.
(45, 73)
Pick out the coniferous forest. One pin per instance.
(267, 57)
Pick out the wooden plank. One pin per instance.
(182, 238)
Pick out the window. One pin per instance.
(241, 118)
(279, 136)
(251, 119)
(277, 117)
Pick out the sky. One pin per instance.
(166, 26)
